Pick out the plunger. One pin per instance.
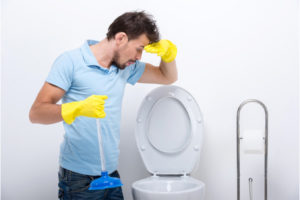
(105, 181)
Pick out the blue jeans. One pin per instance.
(75, 186)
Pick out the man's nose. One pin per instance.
(138, 56)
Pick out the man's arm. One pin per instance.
(44, 109)
(166, 73)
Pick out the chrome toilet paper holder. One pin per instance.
(238, 138)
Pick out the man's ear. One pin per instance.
(121, 38)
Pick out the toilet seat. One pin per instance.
(169, 131)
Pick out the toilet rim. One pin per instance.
(198, 185)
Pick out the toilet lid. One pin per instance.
(169, 131)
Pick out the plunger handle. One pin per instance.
(102, 159)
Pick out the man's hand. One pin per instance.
(93, 106)
(164, 48)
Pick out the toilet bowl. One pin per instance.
(169, 134)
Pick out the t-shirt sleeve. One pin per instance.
(61, 72)
(136, 72)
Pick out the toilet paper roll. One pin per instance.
(253, 141)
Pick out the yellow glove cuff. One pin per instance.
(67, 112)
(171, 53)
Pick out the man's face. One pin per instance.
(130, 51)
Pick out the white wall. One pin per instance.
(0, 86)
(228, 51)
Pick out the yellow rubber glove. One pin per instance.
(163, 48)
(93, 106)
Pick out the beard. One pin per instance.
(116, 62)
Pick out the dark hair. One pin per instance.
(134, 24)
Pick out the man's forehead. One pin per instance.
(142, 40)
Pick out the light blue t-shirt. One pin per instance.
(79, 74)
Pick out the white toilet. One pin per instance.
(169, 134)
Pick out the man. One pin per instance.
(83, 78)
